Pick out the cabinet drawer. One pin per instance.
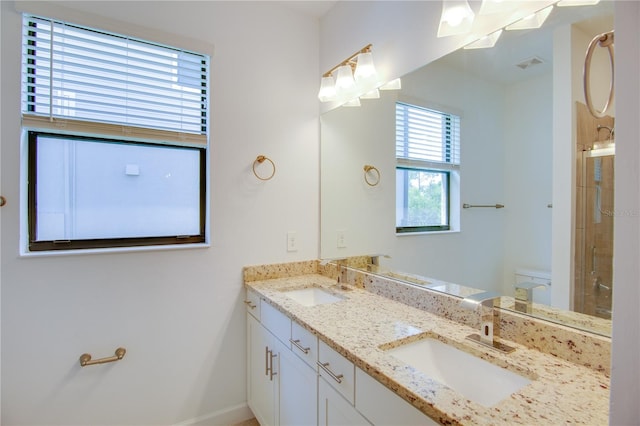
(252, 302)
(337, 370)
(276, 322)
(304, 344)
(381, 406)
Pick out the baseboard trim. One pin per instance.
(228, 416)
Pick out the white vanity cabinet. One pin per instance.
(262, 372)
(336, 389)
(281, 387)
(295, 379)
(298, 391)
(334, 410)
(383, 407)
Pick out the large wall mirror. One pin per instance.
(506, 98)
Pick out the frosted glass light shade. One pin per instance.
(457, 18)
(365, 70)
(344, 78)
(327, 89)
(532, 21)
(486, 41)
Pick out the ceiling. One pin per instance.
(514, 47)
(314, 8)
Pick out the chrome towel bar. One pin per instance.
(471, 206)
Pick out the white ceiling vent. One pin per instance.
(527, 63)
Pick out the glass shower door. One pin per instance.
(593, 292)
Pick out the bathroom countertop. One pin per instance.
(362, 323)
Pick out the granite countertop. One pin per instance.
(363, 324)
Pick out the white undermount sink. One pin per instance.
(472, 377)
(311, 296)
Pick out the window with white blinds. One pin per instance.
(94, 81)
(428, 159)
(116, 131)
(427, 136)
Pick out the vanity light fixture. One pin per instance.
(486, 41)
(532, 21)
(457, 18)
(353, 79)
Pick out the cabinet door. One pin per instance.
(261, 383)
(383, 407)
(298, 390)
(334, 410)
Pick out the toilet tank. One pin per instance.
(540, 294)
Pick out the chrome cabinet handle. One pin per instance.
(271, 372)
(325, 367)
(268, 361)
(249, 304)
(297, 344)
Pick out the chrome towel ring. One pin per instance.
(602, 40)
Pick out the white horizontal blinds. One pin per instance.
(426, 135)
(79, 75)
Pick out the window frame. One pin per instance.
(35, 245)
(449, 168)
(428, 228)
(112, 132)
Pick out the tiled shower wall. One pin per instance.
(594, 219)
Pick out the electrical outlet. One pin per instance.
(292, 241)
(342, 239)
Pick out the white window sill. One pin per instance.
(80, 252)
(408, 234)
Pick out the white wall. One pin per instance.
(625, 376)
(179, 313)
(407, 40)
(528, 122)
(473, 255)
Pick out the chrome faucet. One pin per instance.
(341, 270)
(484, 302)
(524, 296)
